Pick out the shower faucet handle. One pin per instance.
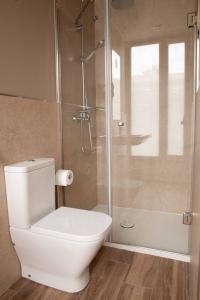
(121, 124)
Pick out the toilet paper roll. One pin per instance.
(64, 177)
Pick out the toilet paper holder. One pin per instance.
(64, 177)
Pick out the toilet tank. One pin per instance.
(30, 189)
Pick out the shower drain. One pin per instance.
(127, 226)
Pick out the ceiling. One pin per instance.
(152, 18)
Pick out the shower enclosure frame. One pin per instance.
(109, 116)
(108, 105)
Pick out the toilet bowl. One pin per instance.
(54, 247)
(57, 250)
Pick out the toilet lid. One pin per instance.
(74, 224)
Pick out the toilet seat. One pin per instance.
(74, 224)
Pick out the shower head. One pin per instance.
(98, 46)
(122, 4)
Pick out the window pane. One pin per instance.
(145, 99)
(197, 65)
(116, 85)
(176, 98)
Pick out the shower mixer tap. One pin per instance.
(84, 116)
(121, 124)
(81, 116)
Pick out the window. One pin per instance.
(176, 98)
(145, 99)
(116, 85)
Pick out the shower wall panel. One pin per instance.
(82, 193)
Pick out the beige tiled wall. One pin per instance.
(28, 129)
(10, 267)
(27, 48)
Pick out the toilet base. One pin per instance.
(63, 283)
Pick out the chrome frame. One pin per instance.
(58, 94)
(58, 78)
(108, 96)
(194, 117)
(57, 55)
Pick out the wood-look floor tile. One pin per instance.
(117, 255)
(98, 264)
(165, 275)
(181, 280)
(163, 290)
(109, 254)
(53, 294)
(115, 281)
(173, 281)
(98, 283)
(8, 295)
(128, 292)
(20, 284)
(118, 275)
(31, 291)
(162, 293)
(144, 271)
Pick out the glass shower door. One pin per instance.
(152, 95)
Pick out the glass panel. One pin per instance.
(152, 148)
(176, 98)
(83, 100)
(145, 99)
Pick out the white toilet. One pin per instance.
(55, 247)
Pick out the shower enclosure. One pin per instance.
(127, 83)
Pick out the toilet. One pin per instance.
(54, 246)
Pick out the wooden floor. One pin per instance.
(118, 275)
